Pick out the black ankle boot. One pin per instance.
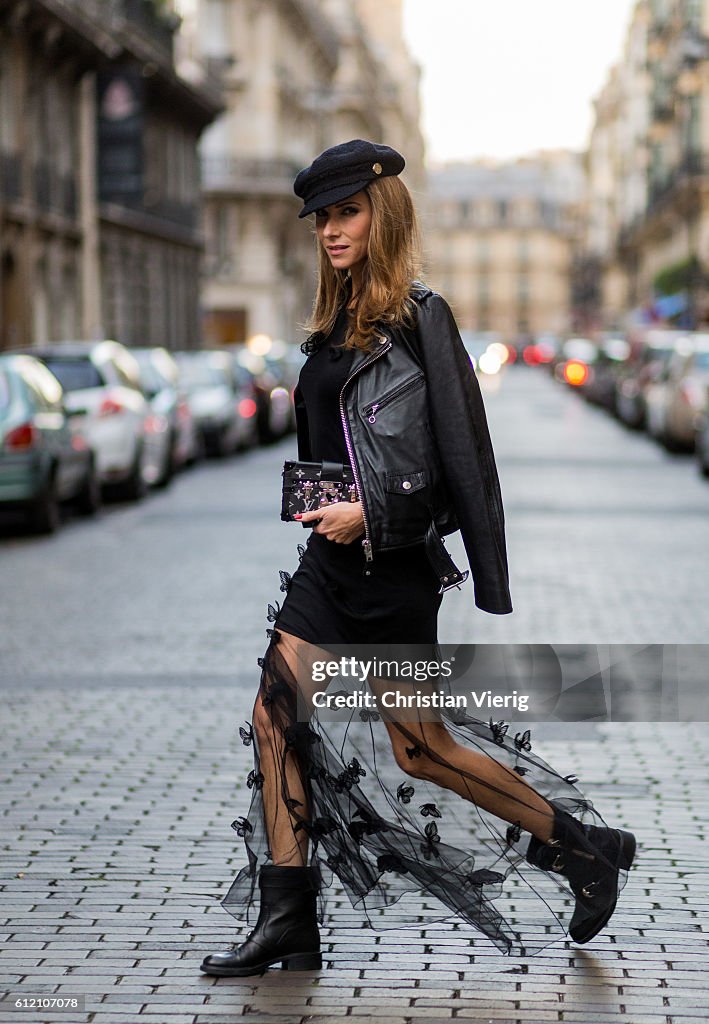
(590, 858)
(286, 930)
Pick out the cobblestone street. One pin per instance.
(129, 661)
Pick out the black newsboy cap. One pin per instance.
(342, 170)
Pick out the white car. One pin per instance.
(104, 398)
(207, 379)
(172, 436)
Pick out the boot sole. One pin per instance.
(627, 855)
(292, 962)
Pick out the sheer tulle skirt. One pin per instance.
(404, 850)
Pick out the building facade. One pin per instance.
(649, 169)
(299, 76)
(501, 240)
(99, 175)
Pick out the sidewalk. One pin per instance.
(119, 847)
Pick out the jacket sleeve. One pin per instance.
(459, 425)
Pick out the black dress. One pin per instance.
(334, 597)
(405, 851)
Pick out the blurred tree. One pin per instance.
(678, 277)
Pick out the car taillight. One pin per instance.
(247, 408)
(155, 424)
(575, 372)
(531, 355)
(22, 438)
(110, 406)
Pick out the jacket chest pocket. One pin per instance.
(406, 483)
(374, 409)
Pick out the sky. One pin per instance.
(505, 77)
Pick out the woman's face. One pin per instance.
(343, 231)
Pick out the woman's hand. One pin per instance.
(341, 521)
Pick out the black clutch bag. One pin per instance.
(311, 485)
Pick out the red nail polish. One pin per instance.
(297, 517)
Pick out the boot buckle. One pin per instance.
(585, 891)
(558, 864)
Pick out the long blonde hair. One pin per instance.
(393, 262)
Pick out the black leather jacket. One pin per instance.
(417, 436)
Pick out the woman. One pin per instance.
(389, 390)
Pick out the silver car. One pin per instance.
(676, 402)
(207, 379)
(103, 395)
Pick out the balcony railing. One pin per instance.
(249, 176)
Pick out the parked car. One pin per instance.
(611, 356)
(273, 398)
(43, 461)
(677, 400)
(477, 344)
(207, 377)
(292, 360)
(288, 358)
(647, 359)
(541, 352)
(171, 432)
(103, 394)
(575, 362)
(246, 406)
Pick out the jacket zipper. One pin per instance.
(371, 411)
(367, 542)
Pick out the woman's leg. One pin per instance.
(288, 671)
(437, 757)
(286, 931)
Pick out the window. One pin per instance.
(74, 374)
(4, 392)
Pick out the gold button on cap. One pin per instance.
(377, 168)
